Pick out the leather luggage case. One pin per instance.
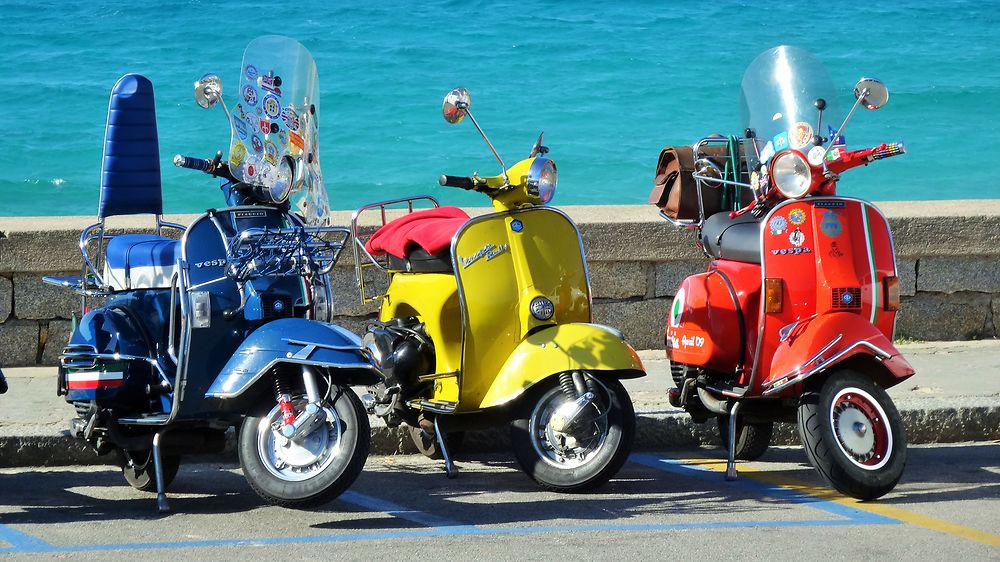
(674, 188)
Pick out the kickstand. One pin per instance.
(731, 462)
(161, 497)
(449, 466)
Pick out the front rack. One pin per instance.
(363, 260)
(284, 252)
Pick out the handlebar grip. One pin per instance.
(457, 181)
(889, 149)
(193, 163)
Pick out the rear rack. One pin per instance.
(363, 260)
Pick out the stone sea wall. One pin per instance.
(948, 257)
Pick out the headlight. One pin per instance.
(542, 179)
(283, 181)
(791, 174)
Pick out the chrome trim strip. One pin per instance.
(879, 353)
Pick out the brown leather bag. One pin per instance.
(674, 188)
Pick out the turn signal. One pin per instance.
(773, 289)
(891, 292)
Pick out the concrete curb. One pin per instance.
(931, 422)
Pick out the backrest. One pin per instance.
(130, 174)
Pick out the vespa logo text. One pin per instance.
(488, 251)
(211, 263)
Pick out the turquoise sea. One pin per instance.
(610, 83)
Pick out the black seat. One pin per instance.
(732, 239)
(419, 261)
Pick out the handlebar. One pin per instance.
(863, 157)
(457, 181)
(888, 149)
(200, 164)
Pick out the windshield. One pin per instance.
(277, 117)
(778, 100)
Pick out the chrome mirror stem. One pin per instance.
(503, 167)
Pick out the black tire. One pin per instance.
(611, 439)
(427, 445)
(853, 435)
(304, 485)
(752, 439)
(137, 468)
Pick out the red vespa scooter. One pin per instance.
(796, 312)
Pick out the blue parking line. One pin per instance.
(443, 527)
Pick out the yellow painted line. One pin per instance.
(882, 509)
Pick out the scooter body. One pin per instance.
(498, 329)
(794, 318)
(224, 327)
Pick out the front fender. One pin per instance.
(295, 341)
(818, 344)
(557, 349)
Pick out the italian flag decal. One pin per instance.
(89, 380)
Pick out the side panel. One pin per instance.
(566, 347)
(502, 262)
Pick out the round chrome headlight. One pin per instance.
(542, 179)
(284, 178)
(791, 174)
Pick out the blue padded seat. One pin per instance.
(140, 261)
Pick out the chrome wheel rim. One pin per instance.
(861, 428)
(574, 448)
(295, 462)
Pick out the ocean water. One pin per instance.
(610, 83)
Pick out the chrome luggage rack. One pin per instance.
(703, 181)
(283, 252)
(363, 260)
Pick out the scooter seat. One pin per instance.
(735, 239)
(140, 261)
(419, 241)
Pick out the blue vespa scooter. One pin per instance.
(224, 326)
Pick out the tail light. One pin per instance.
(773, 289)
(891, 283)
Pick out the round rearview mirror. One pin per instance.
(708, 169)
(208, 90)
(456, 105)
(871, 92)
(538, 148)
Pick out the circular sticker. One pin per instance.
(815, 155)
(290, 118)
(250, 95)
(270, 152)
(258, 145)
(251, 72)
(677, 310)
(800, 135)
(778, 224)
(272, 107)
(796, 238)
(797, 216)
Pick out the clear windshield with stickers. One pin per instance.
(276, 117)
(778, 100)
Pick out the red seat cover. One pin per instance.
(431, 229)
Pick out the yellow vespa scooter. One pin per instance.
(487, 321)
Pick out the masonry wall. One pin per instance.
(948, 257)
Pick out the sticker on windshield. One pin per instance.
(271, 106)
(238, 154)
(800, 135)
(767, 152)
(270, 152)
(250, 95)
(241, 128)
(251, 72)
(290, 118)
(258, 145)
(780, 141)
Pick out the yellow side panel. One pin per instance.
(502, 265)
(567, 347)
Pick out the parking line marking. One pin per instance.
(879, 509)
(20, 541)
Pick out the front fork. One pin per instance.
(295, 425)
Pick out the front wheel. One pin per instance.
(583, 455)
(317, 468)
(853, 435)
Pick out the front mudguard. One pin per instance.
(818, 344)
(296, 341)
(557, 349)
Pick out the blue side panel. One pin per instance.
(298, 341)
(130, 176)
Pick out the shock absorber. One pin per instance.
(567, 385)
(284, 398)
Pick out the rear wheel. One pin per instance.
(584, 454)
(853, 435)
(140, 473)
(319, 466)
(752, 439)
